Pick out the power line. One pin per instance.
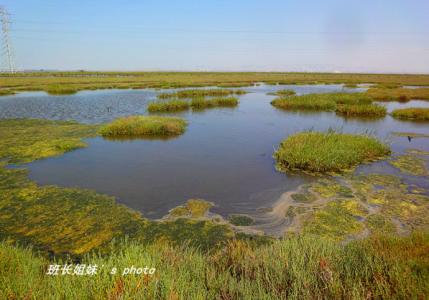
(7, 47)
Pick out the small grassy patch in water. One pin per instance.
(193, 208)
(60, 90)
(319, 152)
(398, 94)
(201, 93)
(361, 110)
(282, 93)
(196, 103)
(144, 126)
(320, 102)
(241, 220)
(418, 114)
(168, 106)
(351, 85)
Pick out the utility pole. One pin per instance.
(7, 51)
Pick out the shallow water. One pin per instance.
(225, 156)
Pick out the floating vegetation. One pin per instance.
(418, 152)
(282, 93)
(25, 140)
(194, 208)
(241, 220)
(380, 224)
(361, 110)
(410, 164)
(144, 126)
(195, 103)
(201, 93)
(319, 152)
(304, 197)
(336, 220)
(418, 114)
(398, 94)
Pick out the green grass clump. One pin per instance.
(418, 114)
(398, 94)
(319, 152)
(201, 103)
(60, 90)
(305, 102)
(304, 267)
(351, 85)
(195, 103)
(320, 102)
(361, 110)
(241, 220)
(144, 126)
(283, 93)
(200, 93)
(168, 106)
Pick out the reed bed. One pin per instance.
(282, 93)
(417, 113)
(320, 102)
(144, 126)
(201, 93)
(363, 110)
(196, 103)
(398, 94)
(168, 106)
(320, 152)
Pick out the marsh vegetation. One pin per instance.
(321, 152)
(135, 126)
(197, 103)
(418, 114)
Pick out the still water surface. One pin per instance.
(225, 156)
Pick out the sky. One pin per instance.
(382, 36)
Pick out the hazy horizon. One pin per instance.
(280, 36)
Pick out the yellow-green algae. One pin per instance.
(75, 221)
(410, 164)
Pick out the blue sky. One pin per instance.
(230, 35)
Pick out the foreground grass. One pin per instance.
(418, 114)
(319, 152)
(195, 103)
(320, 102)
(201, 93)
(133, 126)
(305, 267)
(41, 81)
(364, 110)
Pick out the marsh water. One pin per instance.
(225, 156)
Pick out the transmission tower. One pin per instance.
(7, 52)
